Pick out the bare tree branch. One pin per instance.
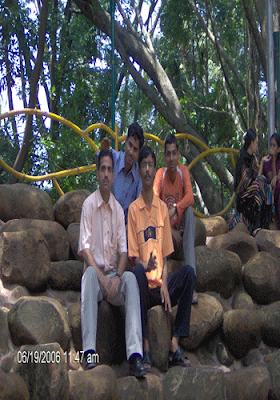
(226, 75)
(143, 29)
(162, 94)
(23, 153)
(215, 41)
(157, 17)
(247, 4)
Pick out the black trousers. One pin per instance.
(180, 287)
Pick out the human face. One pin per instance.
(171, 157)
(253, 148)
(131, 152)
(147, 172)
(105, 175)
(273, 149)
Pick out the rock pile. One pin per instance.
(234, 336)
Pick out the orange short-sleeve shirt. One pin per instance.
(149, 231)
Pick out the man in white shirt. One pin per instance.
(102, 239)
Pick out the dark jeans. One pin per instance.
(180, 287)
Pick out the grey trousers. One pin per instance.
(128, 296)
(189, 238)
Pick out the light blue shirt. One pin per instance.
(126, 187)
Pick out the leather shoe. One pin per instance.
(137, 368)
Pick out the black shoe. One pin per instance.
(89, 360)
(178, 358)
(136, 366)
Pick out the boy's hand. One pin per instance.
(105, 144)
(151, 264)
(172, 211)
(165, 298)
(177, 236)
(106, 283)
(114, 290)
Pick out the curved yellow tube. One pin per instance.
(118, 139)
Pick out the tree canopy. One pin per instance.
(194, 67)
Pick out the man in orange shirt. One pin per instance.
(173, 185)
(149, 245)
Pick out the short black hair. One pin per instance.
(136, 132)
(103, 153)
(171, 138)
(144, 153)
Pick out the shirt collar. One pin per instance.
(100, 200)
(142, 203)
(121, 166)
(166, 173)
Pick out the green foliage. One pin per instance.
(7, 152)
(191, 61)
(76, 75)
(70, 151)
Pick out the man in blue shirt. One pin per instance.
(127, 184)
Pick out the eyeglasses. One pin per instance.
(144, 165)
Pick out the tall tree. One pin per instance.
(136, 47)
(35, 75)
(196, 67)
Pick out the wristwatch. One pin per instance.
(117, 274)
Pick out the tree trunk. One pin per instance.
(208, 189)
(61, 63)
(247, 4)
(162, 95)
(9, 89)
(27, 138)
